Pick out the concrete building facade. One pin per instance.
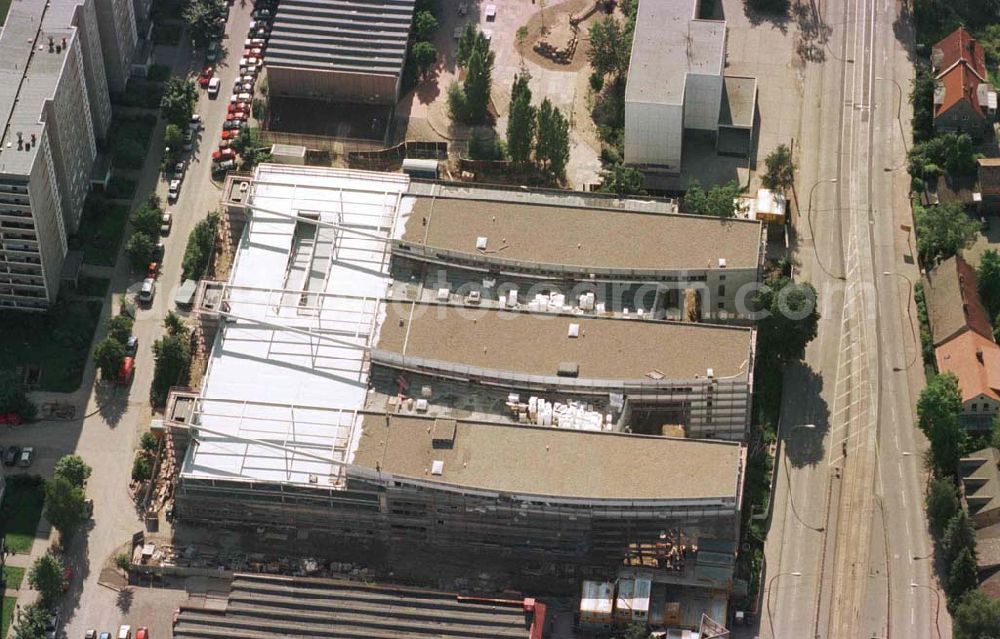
(119, 39)
(55, 107)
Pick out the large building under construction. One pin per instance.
(464, 397)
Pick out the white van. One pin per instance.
(213, 87)
(124, 632)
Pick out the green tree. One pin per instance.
(14, 397)
(148, 442)
(174, 324)
(774, 7)
(140, 250)
(995, 433)
(46, 576)
(64, 506)
(962, 575)
(173, 137)
(147, 221)
(521, 124)
(938, 408)
(922, 99)
(120, 328)
(788, 319)
(31, 621)
(424, 25)
(959, 535)
(424, 56)
(128, 153)
(717, 201)
(73, 469)
(977, 616)
(635, 630)
(202, 18)
(477, 85)
(141, 469)
(199, 248)
(780, 174)
(179, 98)
(942, 231)
(622, 180)
(610, 48)
(173, 363)
(988, 275)
(466, 44)
(942, 504)
(951, 152)
(552, 146)
(108, 357)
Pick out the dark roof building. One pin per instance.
(964, 100)
(981, 490)
(953, 304)
(339, 50)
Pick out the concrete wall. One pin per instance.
(71, 135)
(116, 22)
(978, 413)
(654, 134)
(702, 101)
(93, 67)
(335, 86)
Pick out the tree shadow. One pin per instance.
(111, 404)
(903, 29)
(803, 442)
(125, 598)
(76, 558)
(777, 18)
(813, 34)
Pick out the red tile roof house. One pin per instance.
(964, 100)
(963, 340)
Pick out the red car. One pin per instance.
(252, 52)
(239, 115)
(142, 633)
(223, 154)
(205, 77)
(230, 134)
(235, 107)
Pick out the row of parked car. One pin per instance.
(15, 455)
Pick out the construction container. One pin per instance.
(597, 602)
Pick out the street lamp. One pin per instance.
(809, 211)
(770, 583)
(937, 607)
(909, 316)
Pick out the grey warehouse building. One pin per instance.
(55, 105)
(339, 50)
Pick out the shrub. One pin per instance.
(142, 470)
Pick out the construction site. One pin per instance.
(413, 365)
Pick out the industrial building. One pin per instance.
(335, 408)
(260, 606)
(55, 108)
(676, 83)
(339, 50)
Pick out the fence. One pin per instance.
(382, 159)
(332, 145)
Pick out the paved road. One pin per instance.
(847, 546)
(107, 437)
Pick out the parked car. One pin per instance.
(254, 42)
(212, 52)
(241, 97)
(124, 632)
(147, 291)
(90, 634)
(166, 221)
(132, 346)
(142, 633)
(104, 635)
(27, 456)
(52, 625)
(223, 154)
(174, 190)
(253, 53)
(226, 165)
(213, 87)
(237, 106)
(229, 134)
(237, 115)
(262, 14)
(126, 372)
(205, 76)
(11, 455)
(234, 125)
(88, 507)
(196, 123)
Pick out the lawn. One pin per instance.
(52, 346)
(93, 286)
(101, 230)
(4, 8)
(22, 506)
(8, 611)
(13, 575)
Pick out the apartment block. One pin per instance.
(119, 39)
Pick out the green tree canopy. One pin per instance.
(988, 275)
(120, 328)
(942, 504)
(64, 506)
(140, 250)
(622, 180)
(108, 357)
(173, 137)
(128, 153)
(780, 174)
(977, 616)
(46, 576)
(951, 152)
(922, 99)
(477, 85)
(173, 363)
(719, 200)
(425, 56)
(942, 231)
(521, 123)
(789, 321)
(202, 18)
(938, 408)
(175, 325)
(199, 248)
(963, 575)
(141, 469)
(959, 535)
(147, 220)
(610, 47)
(179, 97)
(13, 397)
(552, 146)
(30, 622)
(73, 469)
(424, 25)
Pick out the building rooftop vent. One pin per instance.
(437, 467)
(481, 243)
(574, 330)
(722, 262)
